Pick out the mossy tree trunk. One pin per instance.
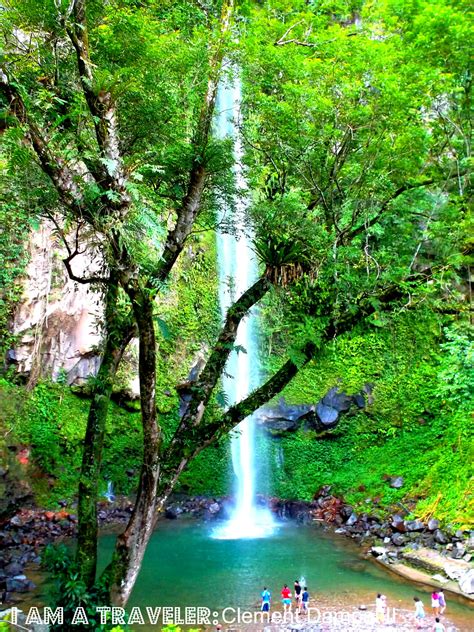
(117, 338)
(131, 544)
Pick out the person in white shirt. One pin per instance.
(442, 601)
(438, 626)
(380, 609)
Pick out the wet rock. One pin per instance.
(351, 520)
(429, 541)
(346, 511)
(283, 417)
(13, 569)
(359, 400)
(398, 523)
(398, 539)
(20, 584)
(459, 551)
(337, 399)
(327, 416)
(396, 482)
(16, 521)
(214, 508)
(433, 524)
(171, 513)
(440, 537)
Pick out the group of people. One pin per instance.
(438, 605)
(301, 598)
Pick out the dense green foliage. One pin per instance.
(418, 426)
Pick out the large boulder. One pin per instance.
(324, 415)
(466, 582)
(440, 537)
(327, 416)
(283, 417)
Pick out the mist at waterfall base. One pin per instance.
(237, 272)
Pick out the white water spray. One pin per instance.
(237, 271)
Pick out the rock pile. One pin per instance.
(21, 540)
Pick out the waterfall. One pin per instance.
(109, 494)
(237, 271)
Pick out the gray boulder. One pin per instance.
(398, 539)
(20, 584)
(433, 524)
(414, 525)
(440, 537)
(327, 416)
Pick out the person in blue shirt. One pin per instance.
(266, 599)
(305, 599)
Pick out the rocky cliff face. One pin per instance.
(57, 322)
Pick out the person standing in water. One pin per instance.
(286, 598)
(297, 594)
(305, 599)
(435, 602)
(442, 601)
(419, 612)
(266, 599)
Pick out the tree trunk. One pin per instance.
(123, 570)
(116, 341)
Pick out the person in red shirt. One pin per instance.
(286, 598)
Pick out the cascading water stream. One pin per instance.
(237, 271)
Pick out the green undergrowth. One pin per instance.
(418, 425)
(51, 421)
(435, 461)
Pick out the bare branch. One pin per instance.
(84, 280)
